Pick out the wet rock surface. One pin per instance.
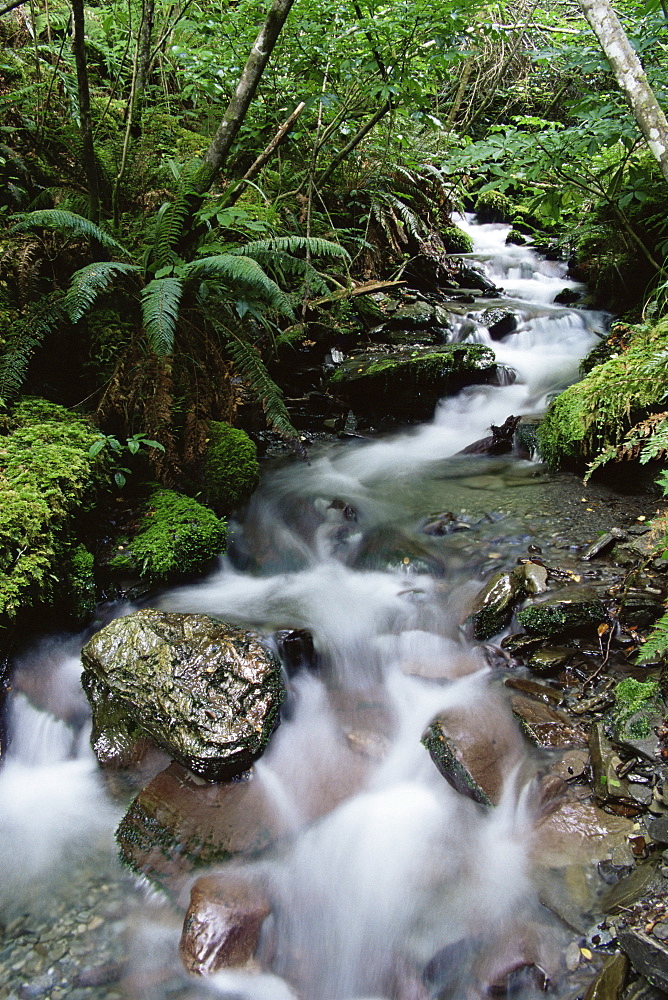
(222, 924)
(176, 823)
(410, 382)
(206, 692)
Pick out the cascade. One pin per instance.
(386, 882)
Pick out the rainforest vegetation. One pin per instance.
(188, 207)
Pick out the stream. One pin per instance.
(382, 868)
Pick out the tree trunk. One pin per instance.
(631, 77)
(88, 150)
(220, 146)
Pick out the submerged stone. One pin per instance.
(547, 727)
(223, 923)
(611, 980)
(648, 956)
(177, 822)
(206, 692)
(474, 753)
(392, 550)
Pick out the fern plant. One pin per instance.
(185, 310)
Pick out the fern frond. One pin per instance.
(235, 270)
(27, 336)
(291, 244)
(656, 643)
(89, 282)
(160, 302)
(66, 222)
(252, 369)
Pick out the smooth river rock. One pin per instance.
(206, 692)
(223, 923)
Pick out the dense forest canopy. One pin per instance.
(179, 191)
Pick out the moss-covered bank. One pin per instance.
(596, 414)
(47, 480)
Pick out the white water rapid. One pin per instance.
(387, 883)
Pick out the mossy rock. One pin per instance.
(47, 480)
(177, 536)
(638, 706)
(594, 414)
(409, 383)
(81, 589)
(455, 240)
(563, 615)
(494, 603)
(231, 470)
(493, 206)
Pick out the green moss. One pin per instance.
(177, 535)
(596, 412)
(46, 479)
(493, 206)
(81, 583)
(456, 240)
(554, 618)
(637, 704)
(231, 470)
(431, 366)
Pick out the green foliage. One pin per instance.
(117, 449)
(46, 479)
(90, 282)
(66, 222)
(593, 415)
(177, 536)
(160, 302)
(231, 471)
(656, 645)
(252, 369)
(80, 591)
(27, 336)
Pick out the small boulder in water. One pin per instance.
(206, 692)
(571, 610)
(296, 651)
(498, 442)
(474, 751)
(389, 549)
(222, 927)
(494, 604)
(178, 821)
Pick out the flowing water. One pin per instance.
(383, 870)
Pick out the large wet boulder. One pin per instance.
(206, 692)
(409, 383)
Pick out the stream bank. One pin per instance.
(383, 878)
